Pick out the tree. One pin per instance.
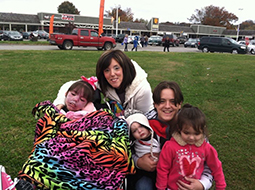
(68, 7)
(141, 20)
(125, 15)
(214, 16)
(247, 25)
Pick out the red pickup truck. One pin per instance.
(82, 37)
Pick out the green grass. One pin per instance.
(26, 42)
(221, 85)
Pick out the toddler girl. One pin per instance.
(186, 152)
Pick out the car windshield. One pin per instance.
(233, 41)
(14, 33)
(155, 37)
(192, 40)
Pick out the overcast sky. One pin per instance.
(176, 11)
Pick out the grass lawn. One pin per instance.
(221, 85)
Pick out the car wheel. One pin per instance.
(234, 51)
(68, 45)
(107, 46)
(252, 51)
(205, 50)
(60, 47)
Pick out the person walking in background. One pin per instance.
(125, 42)
(135, 44)
(184, 155)
(166, 44)
(145, 41)
(142, 40)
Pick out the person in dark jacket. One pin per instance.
(167, 44)
(135, 43)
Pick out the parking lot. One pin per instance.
(119, 46)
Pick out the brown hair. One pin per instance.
(178, 97)
(127, 66)
(84, 88)
(191, 115)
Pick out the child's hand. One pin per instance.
(60, 106)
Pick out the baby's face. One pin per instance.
(139, 131)
(75, 101)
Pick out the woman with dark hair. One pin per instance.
(121, 62)
(122, 81)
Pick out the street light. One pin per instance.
(117, 19)
(238, 28)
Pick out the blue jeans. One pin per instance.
(145, 183)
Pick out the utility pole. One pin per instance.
(238, 27)
(117, 20)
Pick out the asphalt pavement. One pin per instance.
(119, 46)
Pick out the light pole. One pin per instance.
(117, 19)
(238, 28)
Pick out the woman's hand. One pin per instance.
(195, 184)
(146, 163)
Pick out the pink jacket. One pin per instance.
(178, 159)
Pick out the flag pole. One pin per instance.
(117, 21)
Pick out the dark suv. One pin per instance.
(221, 44)
(120, 37)
(1, 34)
(174, 41)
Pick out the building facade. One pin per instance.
(64, 22)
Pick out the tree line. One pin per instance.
(209, 15)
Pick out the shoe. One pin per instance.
(24, 185)
(6, 182)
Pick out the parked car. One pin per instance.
(41, 34)
(82, 38)
(25, 35)
(173, 40)
(12, 36)
(251, 47)
(1, 34)
(221, 44)
(120, 38)
(242, 42)
(131, 39)
(155, 40)
(182, 39)
(112, 35)
(192, 42)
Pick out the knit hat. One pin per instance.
(141, 119)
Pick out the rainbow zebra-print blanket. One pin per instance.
(89, 153)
